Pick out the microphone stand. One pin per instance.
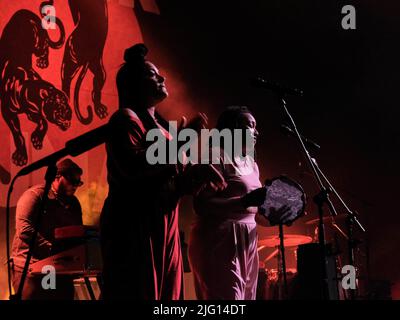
(282, 267)
(351, 220)
(320, 199)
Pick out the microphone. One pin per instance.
(73, 147)
(285, 129)
(87, 141)
(260, 82)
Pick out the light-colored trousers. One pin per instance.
(224, 259)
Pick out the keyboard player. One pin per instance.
(63, 209)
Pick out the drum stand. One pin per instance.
(283, 294)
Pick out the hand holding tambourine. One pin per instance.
(284, 202)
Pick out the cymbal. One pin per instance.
(326, 219)
(289, 240)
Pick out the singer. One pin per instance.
(139, 221)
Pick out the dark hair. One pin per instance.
(67, 168)
(129, 79)
(229, 118)
(136, 54)
(131, 72)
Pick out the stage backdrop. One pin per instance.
(58, 64)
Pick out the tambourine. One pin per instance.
(283, 192)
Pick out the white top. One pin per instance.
(242, 176)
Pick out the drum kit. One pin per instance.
(283, 283)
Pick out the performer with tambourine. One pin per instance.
(223, 241)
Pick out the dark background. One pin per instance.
(350, 104)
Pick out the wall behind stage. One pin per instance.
(96, 34)
(84, 47)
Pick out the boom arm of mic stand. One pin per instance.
(73, 147)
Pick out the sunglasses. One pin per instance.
(74, 182)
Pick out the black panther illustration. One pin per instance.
(22, 91)
(5, 176)
(83, 51)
